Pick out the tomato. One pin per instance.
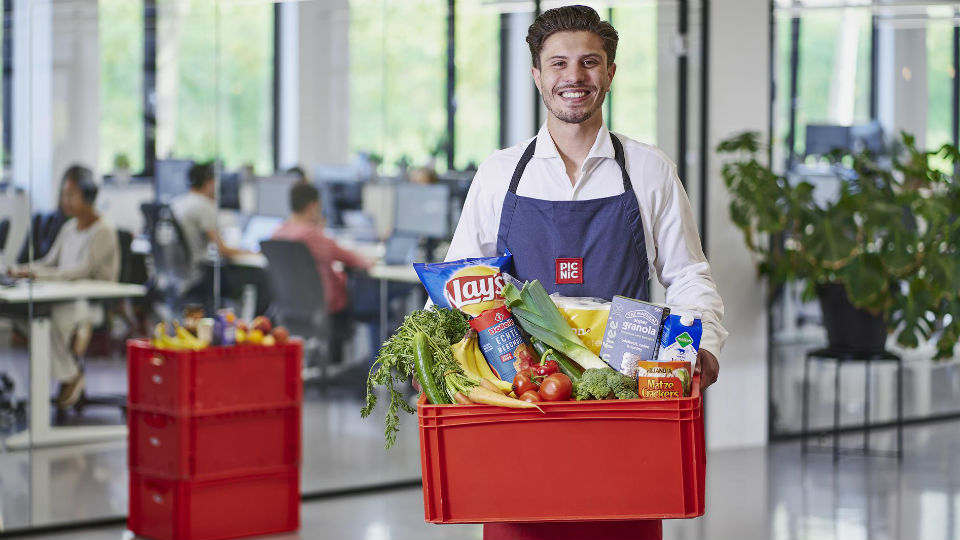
(523, 383)
(556, 387)
(531, 396)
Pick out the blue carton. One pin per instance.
(633, 333)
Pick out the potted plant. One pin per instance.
(882, 255)
(121, 169)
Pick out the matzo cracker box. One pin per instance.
(470, 285)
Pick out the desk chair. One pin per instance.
(4, 232)
(43, 231)
(300, 304)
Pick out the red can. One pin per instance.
(502, 343)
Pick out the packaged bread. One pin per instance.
(586, 316)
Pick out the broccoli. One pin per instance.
(604, 384)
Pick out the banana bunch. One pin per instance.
(468, 354)
(183, 340)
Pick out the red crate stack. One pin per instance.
(214, 443)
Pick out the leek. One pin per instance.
(536, 313)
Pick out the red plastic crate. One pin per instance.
(214, 379)
(247, 505)
(620, 460)
(205, 445)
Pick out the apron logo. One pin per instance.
(570, 271)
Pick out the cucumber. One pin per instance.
(423, 365)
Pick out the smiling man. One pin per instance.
(588, 212)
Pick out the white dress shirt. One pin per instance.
(669, 228)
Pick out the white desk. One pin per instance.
(385, 273)
(40, 432)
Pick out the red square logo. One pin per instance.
(569, 271)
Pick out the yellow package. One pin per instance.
(586, 316)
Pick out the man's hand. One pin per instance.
(707, 367)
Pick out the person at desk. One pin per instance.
(305, 225)
(196, 212)
(85, 248)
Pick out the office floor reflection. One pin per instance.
(751, 493)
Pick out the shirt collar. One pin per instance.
(602, 147)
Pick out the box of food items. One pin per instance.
(603, 386)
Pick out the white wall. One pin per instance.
(738, 98)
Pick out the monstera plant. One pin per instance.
(889, 238)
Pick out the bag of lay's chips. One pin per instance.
(470, 285)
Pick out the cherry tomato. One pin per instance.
(547, 368)
(523, 382)
(556, 387)
(531, 396)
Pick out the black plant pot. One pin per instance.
(850, 329)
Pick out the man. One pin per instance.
(85, 248)
(305, 225)
(580, 197)
(196, 212)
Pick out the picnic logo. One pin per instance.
(570, 271)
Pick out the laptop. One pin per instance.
(401, 249)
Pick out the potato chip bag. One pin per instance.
(470, 285)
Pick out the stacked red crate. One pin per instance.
(214, 443)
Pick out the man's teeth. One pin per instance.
(572, 95)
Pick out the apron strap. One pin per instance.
(521, 165)
(528, 153)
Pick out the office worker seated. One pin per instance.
(305, 225)
(85, 248)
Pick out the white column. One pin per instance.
(519, 99)
(324, 86)
(738, 98)
(32, 114)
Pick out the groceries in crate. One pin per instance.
(587, 317)
(524, 346)
(470, 285)
(661, 380)
(224, 329)
(680, 339)
(632, 334)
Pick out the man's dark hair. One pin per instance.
(302, 194)
(200, 174)
(83, 178)
(298, 172)
(570, 19)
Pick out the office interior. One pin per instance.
(388, 107)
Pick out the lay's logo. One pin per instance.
(475, 289)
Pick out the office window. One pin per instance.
(634, 88)
(398, 79)
(478, 82)
(834, 69)
(215, 82)
(121, 84)
(939, 34)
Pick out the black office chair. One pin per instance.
(299, 301)
(4, 232)
(44, 229)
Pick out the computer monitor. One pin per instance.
(273, 195)
(423, 210)
(824, 138)
(258, 229)
(171, 178)
(230, 190)
(868, 137)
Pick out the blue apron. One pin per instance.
(577, 248)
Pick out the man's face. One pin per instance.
(573, 78)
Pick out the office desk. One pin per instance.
(44, 293)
